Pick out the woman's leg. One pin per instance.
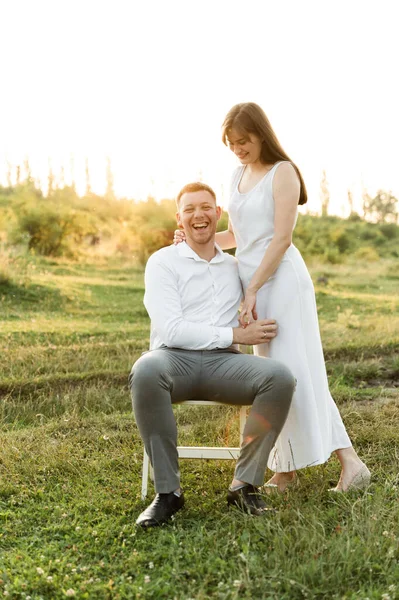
(314, 427)
(351, 467)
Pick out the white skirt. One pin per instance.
(314, 428)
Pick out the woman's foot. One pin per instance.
(354, 474)
(280, 482)
(355, 477)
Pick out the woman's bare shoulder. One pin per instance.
(286, 174)
(286, 186)
(286, 169)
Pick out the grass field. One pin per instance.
(70, 454)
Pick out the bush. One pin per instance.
(5, 277)
(52, 232)
(148, 240)
(367, 253)
(65, 224)
(340, 237)
(390, 230)
(9, 270)
(333, 256)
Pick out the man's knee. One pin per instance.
(284, 379)
(147, 370)
(279, 379)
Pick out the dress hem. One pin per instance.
(312, 464)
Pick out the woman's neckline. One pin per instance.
(256, 184)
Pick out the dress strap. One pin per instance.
(237, 173)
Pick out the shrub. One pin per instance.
(223, 222)
(9, 269)
(148, 240)
(390, 230)
(5, 277)
(333, 256)
(67, 224)
(340, 237)
(367, 253)
(52, 232)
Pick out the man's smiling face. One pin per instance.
(198, 216)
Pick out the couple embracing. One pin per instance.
(193, 291)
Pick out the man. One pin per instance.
(192, 294)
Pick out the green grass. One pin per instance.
(70, 453)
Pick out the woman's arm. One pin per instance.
(286, 190)
(226, 239)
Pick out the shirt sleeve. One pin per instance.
(163, 304)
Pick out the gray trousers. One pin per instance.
(165, 376)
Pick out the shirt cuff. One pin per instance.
(225, 337)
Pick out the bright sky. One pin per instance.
(149, 82)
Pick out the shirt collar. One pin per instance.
(184, 250)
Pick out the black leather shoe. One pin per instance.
(161, 509)
(249, 500)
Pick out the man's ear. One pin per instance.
(180, 226)
(218, 212)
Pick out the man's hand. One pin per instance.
(258, 332)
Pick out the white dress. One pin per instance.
(314, 428)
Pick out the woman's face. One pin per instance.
(246, 147)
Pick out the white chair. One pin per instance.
(219, 452)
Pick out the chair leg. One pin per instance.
(144, 479)
(243, 419)
(147, 468)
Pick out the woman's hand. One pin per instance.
(179, 236)
(248, 312)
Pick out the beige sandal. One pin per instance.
(274, 487)
(360, 481)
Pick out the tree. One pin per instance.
(87, 172)
(62, 177)
(50, 180)
(366, 199)
(383, 208)
(324, 195)
(9, 174)
(350, 201)
(109, 192)
(28, 173)
(72, 168)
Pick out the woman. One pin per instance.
(265, 192)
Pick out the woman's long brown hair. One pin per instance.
(248, 118)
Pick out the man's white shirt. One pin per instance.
(192, 303)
